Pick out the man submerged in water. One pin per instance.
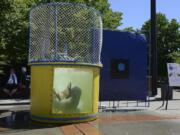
(68, 99)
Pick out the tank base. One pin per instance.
(64, 120)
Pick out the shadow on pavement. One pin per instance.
(21, 120)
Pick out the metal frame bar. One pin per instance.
(56, 30)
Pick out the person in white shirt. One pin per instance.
(12, 84)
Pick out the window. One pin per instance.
(119, 68)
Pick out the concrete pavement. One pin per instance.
(108, 123)
(132, 120)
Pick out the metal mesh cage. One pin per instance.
(65, 32)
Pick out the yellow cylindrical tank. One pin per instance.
(50, 80)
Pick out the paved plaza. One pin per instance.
(122, 120)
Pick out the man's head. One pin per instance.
(66, 92)
(23, 69)
(12, 70)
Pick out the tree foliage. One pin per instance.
(14, 30)
(111, 19)
(175, 56)
(129, 29)
(168, 40)
(14, 25)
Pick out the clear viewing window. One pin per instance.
(72, 90)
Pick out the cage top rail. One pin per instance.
(65, 3)
(65, 32)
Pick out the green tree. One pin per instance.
(129, 29)
(111, 19)
(14, 30)
(175, 56)
(168, 40)
(14, 25)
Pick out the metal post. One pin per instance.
(148, 101)
(118, 104)
(137, 103)
(153, 47)
(167, 97)
(114, 104)
(56, 31)
(94, 39)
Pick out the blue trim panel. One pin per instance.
(64, 119)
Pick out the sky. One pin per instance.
(136, 12)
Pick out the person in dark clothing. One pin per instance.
(24, 78)
(24, 83)
(12, 84)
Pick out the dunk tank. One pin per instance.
(64, 55)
